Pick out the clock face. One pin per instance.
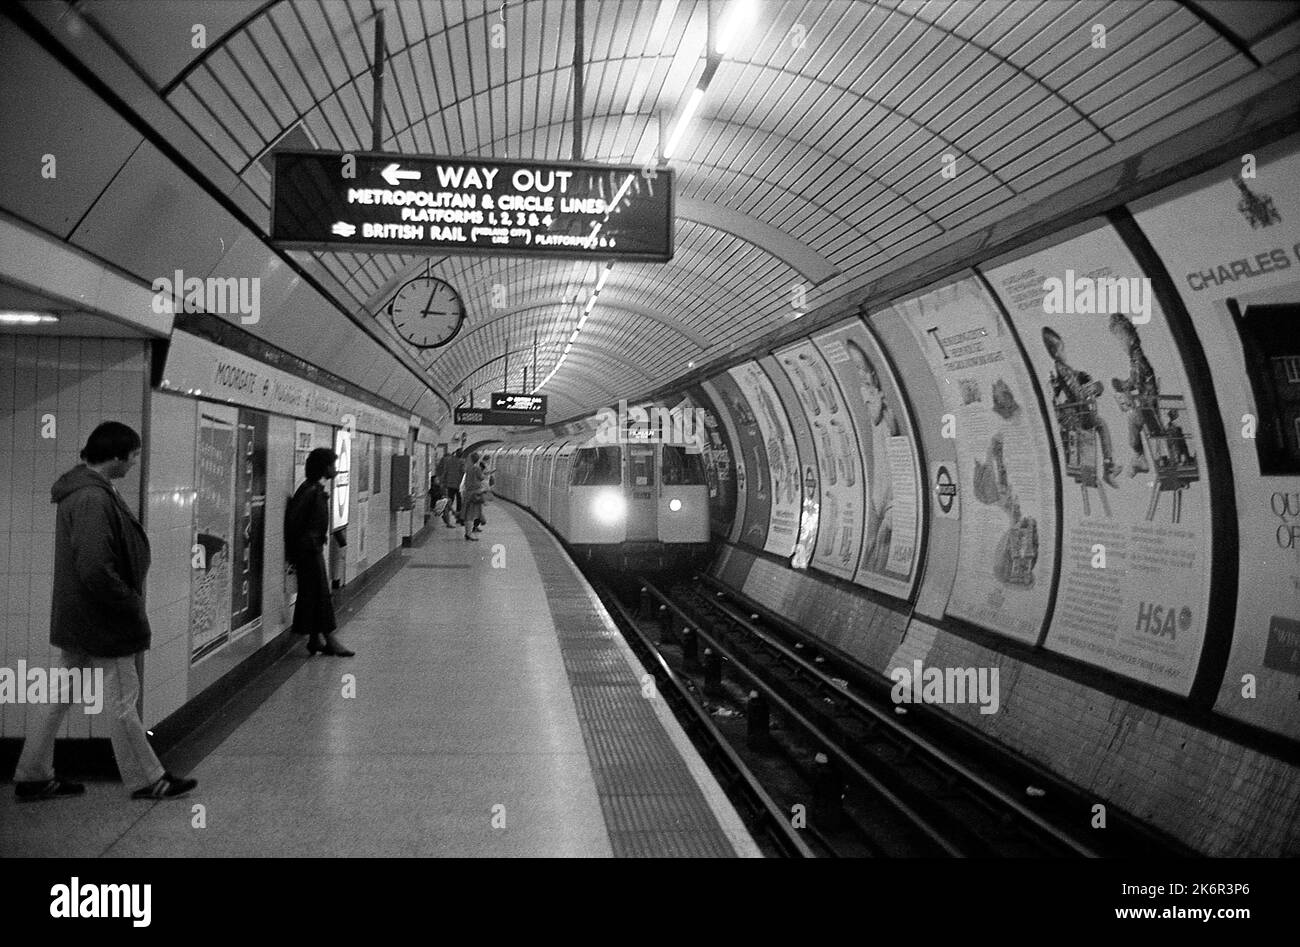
(427, 312)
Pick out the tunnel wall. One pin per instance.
(1129, 635)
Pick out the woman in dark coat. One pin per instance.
(306, 529)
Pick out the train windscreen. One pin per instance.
(681, 468)
(597, 467)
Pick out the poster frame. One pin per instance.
(1221, 605)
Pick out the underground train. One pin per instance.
(623, 506)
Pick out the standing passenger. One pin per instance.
(450, 471)
(474, 489)
(489, 480)
(306, 529)
(98, 620)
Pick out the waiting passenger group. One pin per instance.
(467, 488)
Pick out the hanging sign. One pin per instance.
(356, 201)
(489, 416)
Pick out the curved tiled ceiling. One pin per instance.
(814, 159)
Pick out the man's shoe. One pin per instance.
(40, 791)
(472, 539)
(167, 787)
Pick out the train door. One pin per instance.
(642, 492)
(545, 464)
(560, 488)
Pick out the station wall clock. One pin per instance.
(427, 312)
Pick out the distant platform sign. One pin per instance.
(472, 416)
(509, 401)
(332, 200)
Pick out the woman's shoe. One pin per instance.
(314, 648)
(337, 651)
(472, 539)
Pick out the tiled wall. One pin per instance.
(170, 498)
(79, 382)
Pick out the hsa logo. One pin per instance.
(1162, 620)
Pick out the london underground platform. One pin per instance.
(491, 710)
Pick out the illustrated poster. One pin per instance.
(1135, 571)
(887, 446)
(1006, 488)
(782, 459)
(214, 519)
(840, 528)
(1232, 247)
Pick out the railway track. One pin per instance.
(840, 766)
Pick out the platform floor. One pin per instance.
(497, 713)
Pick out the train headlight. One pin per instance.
(674, 504)
(609, 507)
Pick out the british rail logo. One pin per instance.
(935, 685)
(1104, 294)
(218, 295)
(134, 901)
(657, 425)
(38, 685)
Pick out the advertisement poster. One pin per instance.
(340, 494)
(1135, 571)
(214, 518)
(782, 459)
(887, 446)
(250, 524)
(839, 536)
(743, 517)
(719, 471)
(303, 434)
(1232, 247)
(806, 541)
(1006, 491)
(361, 445)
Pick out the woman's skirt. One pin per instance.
(314, 612)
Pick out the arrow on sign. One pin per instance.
(394, 176)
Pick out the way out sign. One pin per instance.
(466, 205)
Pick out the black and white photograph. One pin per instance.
(445, 435)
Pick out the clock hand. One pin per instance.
(434, 292)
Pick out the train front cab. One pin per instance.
(597, 505)
(640, 506)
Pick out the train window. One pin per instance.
(682, 468)
(596, 467)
